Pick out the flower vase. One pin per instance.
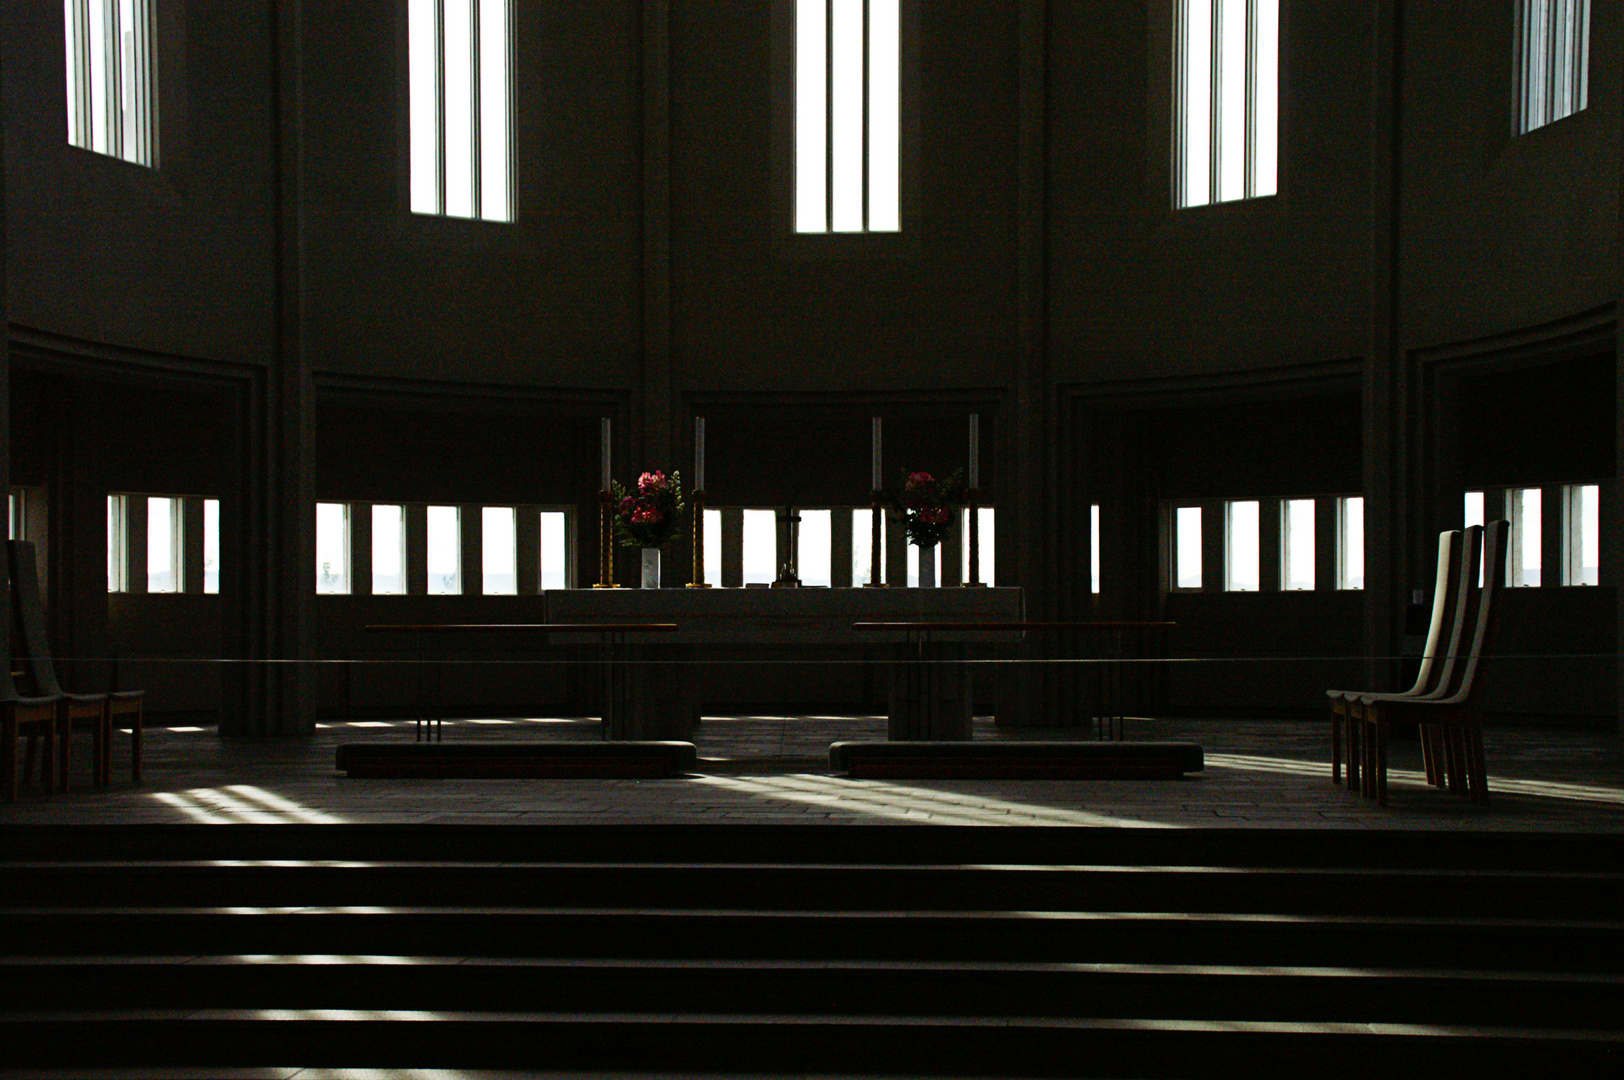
(651, 568)
(927, 566)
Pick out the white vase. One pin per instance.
(651, 568)
(927, 566)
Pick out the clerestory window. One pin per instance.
(1553, 60)
(848, 58)
(108, 46)
(1226, 122)
(460, 90)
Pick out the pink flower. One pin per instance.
(933, 515)
(651, 481)
(647, 515)
(919, 479)
(627, 504)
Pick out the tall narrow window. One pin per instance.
(554, 552)
(332, 547)
(713, 546)
(388, 550)
(108, 45)
(1241, 547)
(499, 551)
(1350, 546)
(1297, 544)
(814, 560)
(118, 563)
(847, 106)
(1527, 551)
(1472, 513)
(460, 103)
(164, 545)
(1553, 60)
(984, 540)
(211, 545)
(760, 546)
(1226, 93)
(1187, 547)
(1581, 534)
(444, 555)
(1094, 548)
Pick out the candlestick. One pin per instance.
(605, 486)
(975, 450)
(699, 453)
(876, 454)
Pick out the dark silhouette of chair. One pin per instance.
(1346, 710)
(1449, 718)
(31, 718)
(33, 647)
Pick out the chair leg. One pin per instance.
(8, 755)
(1336, 745)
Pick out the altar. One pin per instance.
(731, 643)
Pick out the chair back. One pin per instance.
(1445, 600)
(1483, 617)
(28, 642)
(1460, 622)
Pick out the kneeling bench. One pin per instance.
(509, 760)
(1016, 760)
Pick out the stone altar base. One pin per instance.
(1016, 760)
(510, 760)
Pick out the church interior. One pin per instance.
(1212, 314)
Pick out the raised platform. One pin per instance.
(517, 760)
(983, 760)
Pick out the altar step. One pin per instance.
(782, 951)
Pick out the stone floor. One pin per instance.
(775, 769)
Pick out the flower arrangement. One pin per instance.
(926, 504)
(648, 516)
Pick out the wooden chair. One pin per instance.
(1345, 708)
(1450, 718)
(33, 649)
(31, 718)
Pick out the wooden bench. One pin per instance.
(1014, 760)
(515, 760)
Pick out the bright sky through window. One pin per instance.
(332, 548)
(499, 566)
(1241, 571)
(814, 560)
(460, 102)
(1527, 551)
(211, 545)
(163, 545)
(554, 556)
(1297, 544)
(847, 105)
(1351, 555)
(1227, 90)
(760, 546)
(1187, 547)
(444, 557)
(108, 69)
(388, 550)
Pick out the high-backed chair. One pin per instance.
(31, 718)
(33, 649)
(1345, 708)
(1450, 717)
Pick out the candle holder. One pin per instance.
(877, 524)
(698, 501)
(606, 542)
(972, 497)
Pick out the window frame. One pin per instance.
(793, 245)
(1177, 188)
(1525, 116)
(79, 105)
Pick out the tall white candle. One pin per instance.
(606, 453)
(699, 453)
(876, 453)
(975, 450)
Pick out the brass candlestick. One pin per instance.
(699, 582)
(876, 520)
(975, 581)
(606, 542)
